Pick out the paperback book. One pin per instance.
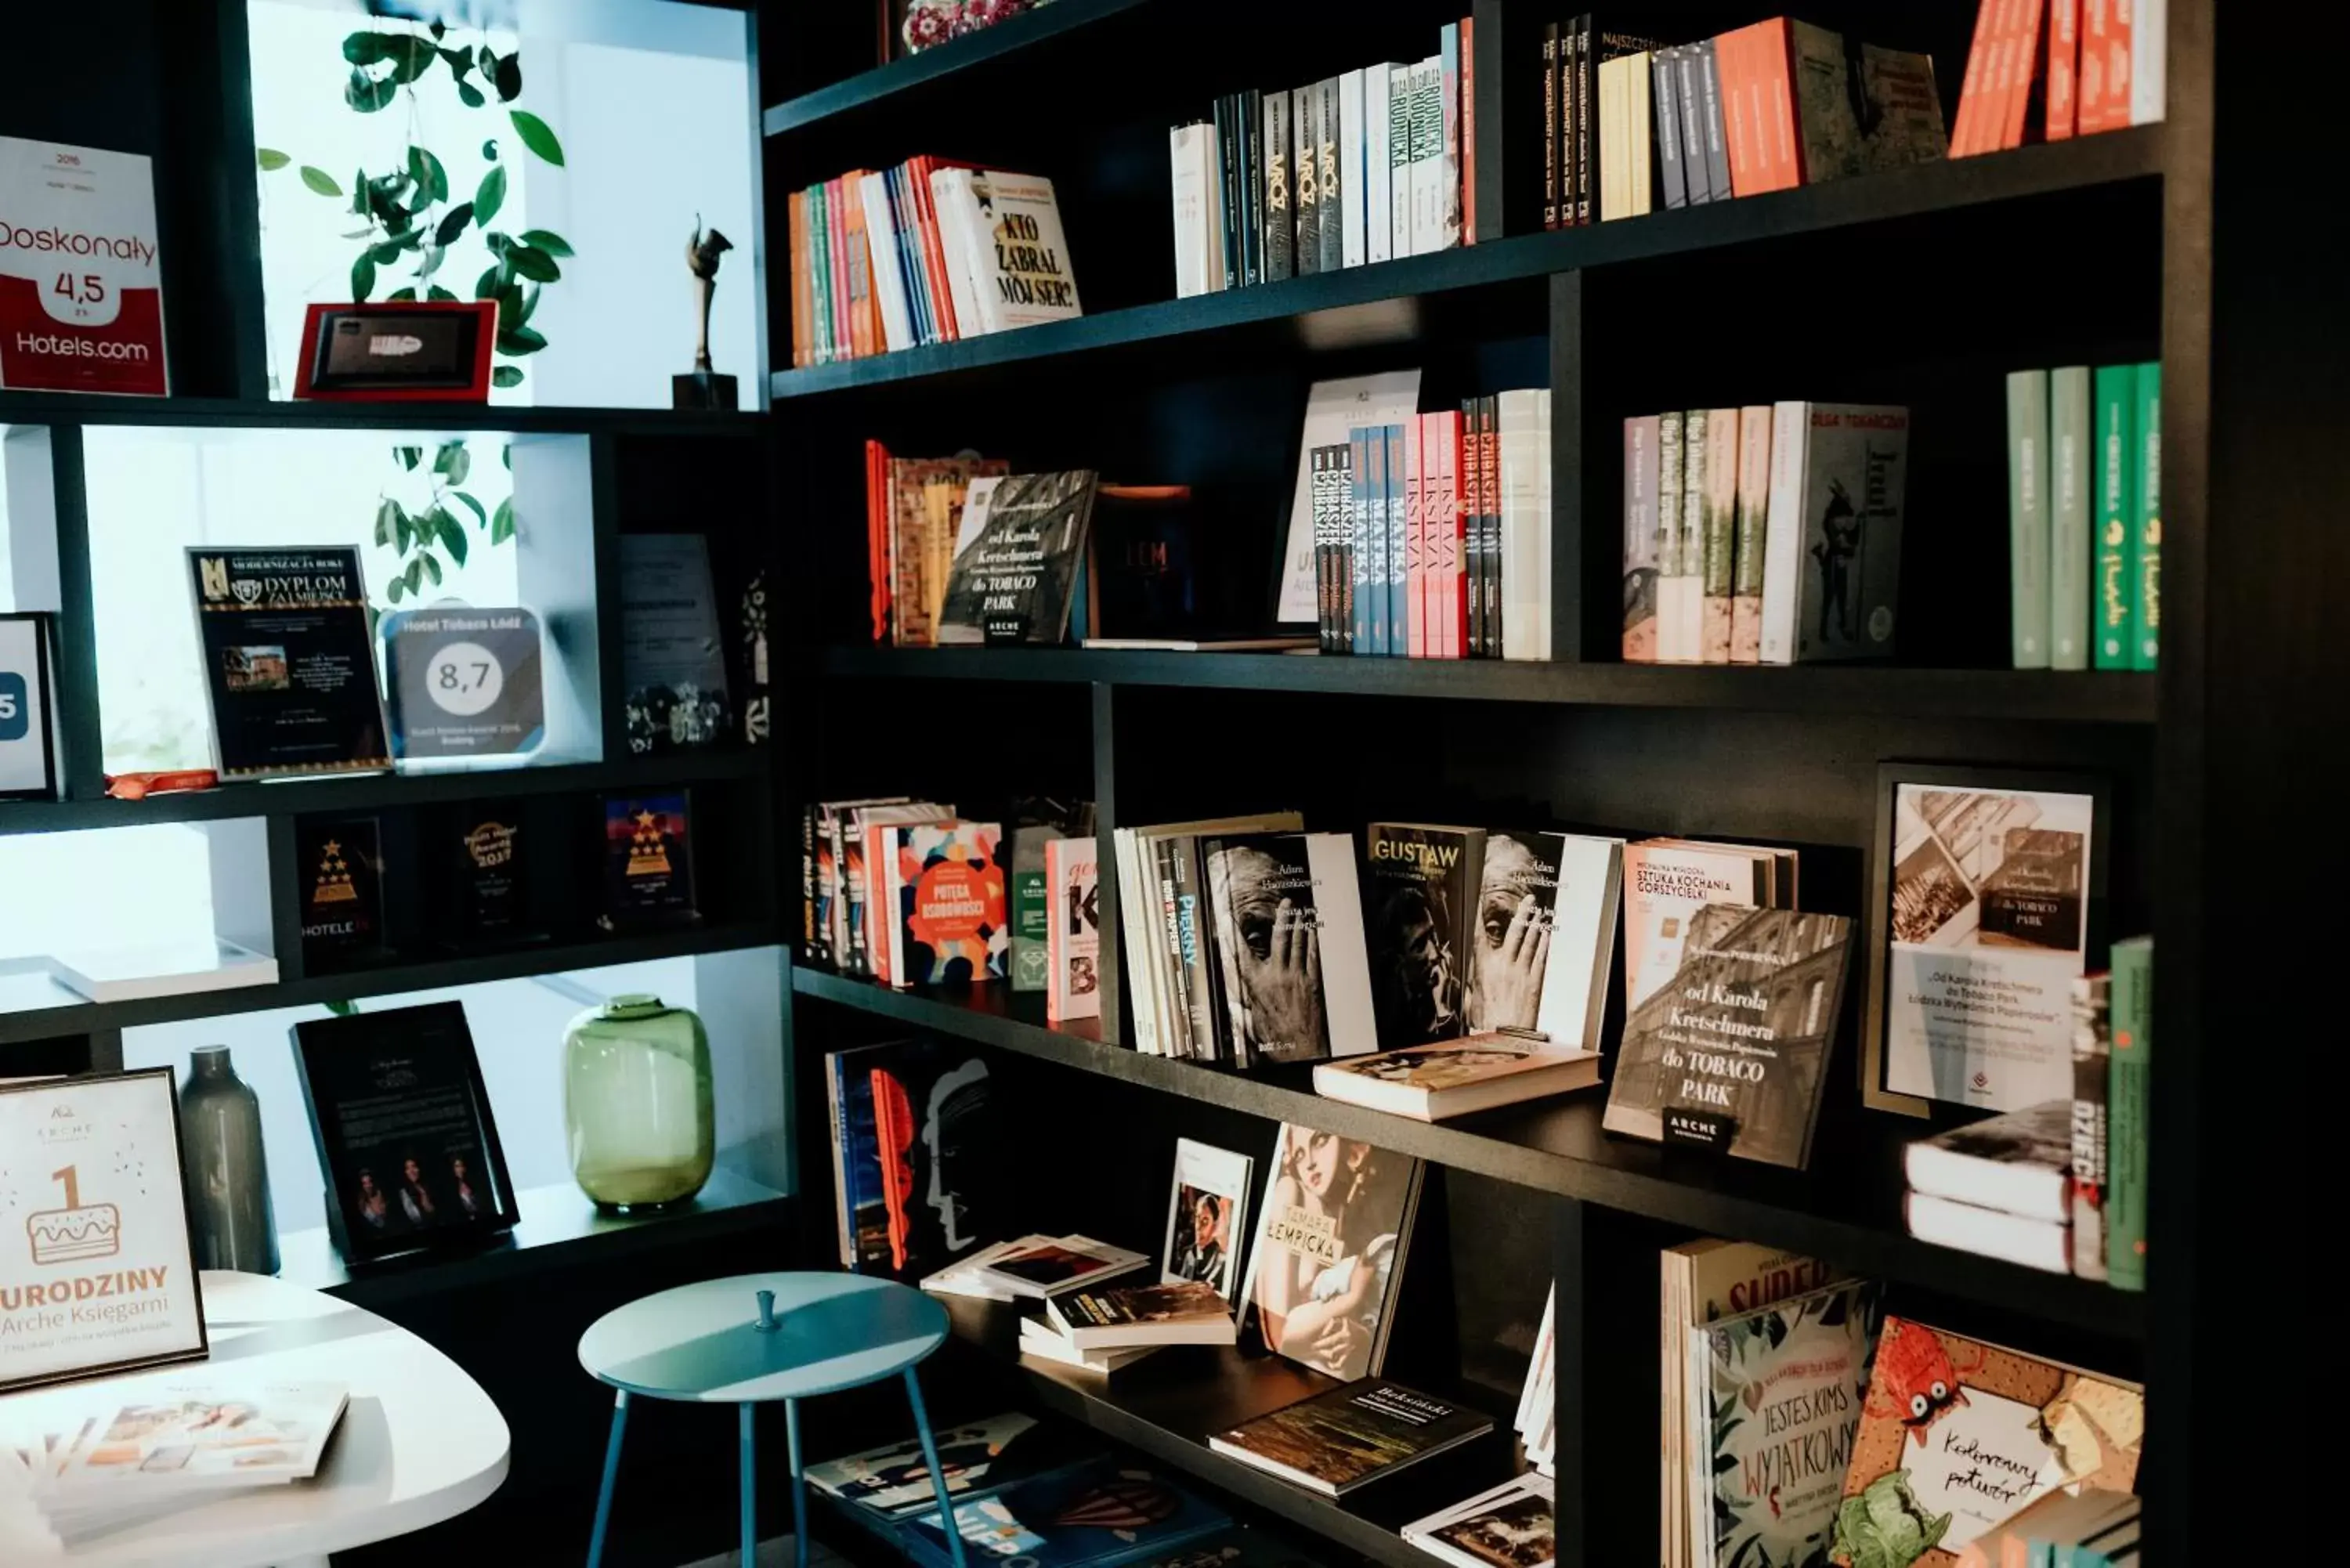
(1073, 939)
(1328, 1263)
(1432, 1083)
(1205, 1215)
(1510, 1526)
(1351, 1436)
(1288, 936)
(916, 1159)
(1018, 546)
(1190, 1312)
(1543, 935)
(1047, 1266)
(1419, 893)
(946, 883)
(1098, 1514)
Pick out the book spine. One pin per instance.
(1430, 203)
(1415, 536)
(2064, 101)
(1776, 55)
(1305, 177)
(1186, 885)
(1448, 199)
(1783, 556)
(1688, 604)
(1228, 191)
(1550, 46)
(1737, 113)
(1489, 457)
(1753, 534)
(1614, 149)
(934, 249)
(2095, 113)
(2092, 1073)
(1970, 85)
(1399, 89)
(796, 227)
(1457, 519)
(1639, 115)
(1358, 555)
(2149, 61)
(819, 281)
(2070, 463)
(1318, 500)
(2116, 545)
(1254, 225)
(1664, 64)
(1586, 122)
(1715, 132)
(1720, 533)
(1671, 469)
(1468, 130)
(1640, 644)
(1379, 188)
(1172, 983)
(2145, 583)
(2027, 73)
(2126, 1112)
(1687, 67)
(1336, 196)
(1182, 202)
(2027, 511)
(1354, 248)
(1346, 527)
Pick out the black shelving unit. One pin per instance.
(1922, 287)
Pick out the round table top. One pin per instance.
(698, 1342)
(418, 1443)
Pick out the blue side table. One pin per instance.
(757, 1337)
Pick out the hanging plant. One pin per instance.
(421, 532)
(408, 221)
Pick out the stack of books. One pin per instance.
(2089, 66)
(1765, 534)
(1103, 1330)
(2085, 513)
(2002, 1188)
(1370, 164)
(1033, 1268)
(929, 251)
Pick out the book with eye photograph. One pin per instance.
(1327, 1261)
(1287, 943)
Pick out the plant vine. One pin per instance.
(420, 535)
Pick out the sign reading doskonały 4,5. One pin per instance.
(81, 282)
(96, 1272)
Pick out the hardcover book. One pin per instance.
(1957, 1436)
(1188, 1313)
(1098, 1514)
(1774, 1401)
(1073, 943)
(1349, 1437)
(1454, 1077)
(2020, 1163)
(1046, 1266)
(1508, 1527)
(915, 1154)
(1289, 937)
(1419, 891)
(1329, 1257)
(1732, 1052)
(946, 883)
(289, 667)
(1832, 567)
(1017, 551)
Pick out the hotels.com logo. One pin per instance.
(56, 347)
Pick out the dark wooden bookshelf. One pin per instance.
(263, 413)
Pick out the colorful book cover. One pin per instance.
(2126, 1108)
(1329, 1257)
(2092, 1072)
(949, 883)
(978, 1456)
(1400, 476)
(2114, 510)
(1776, 1403)
(1420, 892)
(1339, 1439)
(1205, 1210)
(1098, 1514)
(1073, 942)
(917, 1153)
(2145, 583)
(1956, 1435)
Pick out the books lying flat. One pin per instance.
(1038, 1338)
(1990, 1232)
(1093, 1515)
(1204, 644)
(1050, 1265)
(1507, 1527)
(182, 1437)
(169, 968)
(2020, 1163)
(1188, 1312)
(978, 1456)
(1351, 1436)
(1430, 1083)
(962, 1278)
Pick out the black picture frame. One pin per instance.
(425, 1056)
(44, 704)
(1890, 777)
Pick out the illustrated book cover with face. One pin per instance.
(1419, 884)
(1099, 1514)
(1733, 1051)
(1987, 929)
(1206, 1217)
(1957, 1436)
(915, 1154)
(1543, 939)
(1774, 1398)
(1288, 936)
(1328, 1263)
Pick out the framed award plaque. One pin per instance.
(28, 756)
(464, 682)
(397, 351)
(95, 1272)
(648, 862)
(289, 668)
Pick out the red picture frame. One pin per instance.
(312, 384)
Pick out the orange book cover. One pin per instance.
(1971, 92)
(934, 255)
(1764, 68)
(795, 226)
(2030, 58)
(2104, 65)
(877, 537)
(893, 1132)
(2064, 67)
(880, 899)
(1737, 111)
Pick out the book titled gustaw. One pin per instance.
(1989, 927)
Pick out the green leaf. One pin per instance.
(452, 461)
(360, 193)
(469, 95)
(401, 293)
(370, 48)
(432, 566)
(487, 285)
(368, 94)
(506, 456)
(397, 586)
(459, 61)
(490, 197)
(510, 309)
(501, 521)
(385, 515)
(504, 375)
(411, 56)
(481, 518)
(452, 535)
(534, 264)
(415, 573)
(530, 302)
(410, 456)
(426, 171)
(387, 253)
(362, 279)
(341, 1009)
(488, 58)
(507, 78)
(547, 240)
(536, 135)
(317, 179)
(430, 262)
(271, 159)
(452, 224)
(403, 534)
(490, 147)
(359, 234)
(437, 292)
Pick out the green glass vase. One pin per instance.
(637, 1104)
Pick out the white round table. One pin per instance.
(420, 1442)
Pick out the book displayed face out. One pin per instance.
(1206, 1216)
(1329, 1252)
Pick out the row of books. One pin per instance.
(2060, 1186)
(1631, 125)
(1431, 538)
(2048, 69)
(1766, 534)
(928, 251)
(2084, 512)
(1373, 163)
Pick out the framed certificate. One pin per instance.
(28, 756)
(393, 350)
(95, 1272)
(289, 667)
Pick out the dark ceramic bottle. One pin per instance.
(231, 1222)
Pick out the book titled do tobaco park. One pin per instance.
(81, 296)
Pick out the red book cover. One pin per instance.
(1435, 533)
(2027, 73)
(893, 1133)
(1489, 483)
(1775, 54)
(1453, 604)
(2064, 67)
(860, 265)
(2104, 65)
(877, 537)
(1415, 539)
(1468, 130)
(880, 899)
(1978, 67)
(1736, 61)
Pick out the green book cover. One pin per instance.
(2116, 485)
(2126, 1112)
(2027, 516)
(2145, 583)
(2070, 466)
(1032, 922)
(820, 274)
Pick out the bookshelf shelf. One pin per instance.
(2104, 698)
(2085, 163)
(243, 413)
(1169, 1404)
(1844, 1208)
(75, 1016)
(559, 1228)
(381, 791)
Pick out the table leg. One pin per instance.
(611, 1475)
(799, 1485)
(938, 1475)
(750, 1487)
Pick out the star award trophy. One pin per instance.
(648, 863)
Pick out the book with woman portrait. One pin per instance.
(1329, 1257)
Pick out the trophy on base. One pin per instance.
(704, 389)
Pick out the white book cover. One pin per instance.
(81, 292)
(1332, 409)
(1582, 949)
(2020, 1163)
(1345, 959)
(1016, 256)
(1038, 1340)
(1665, 884)
(1524, 460)
(1429, 197)
(178, 1437)
(1195, 194)
(1135, 929)
(1990, 1232)
(1352, 97)
(2149, 61)
(1509, 1526)
(1378, 158)
(1073, 940)
(962, 1278)
(1448, 112)
(888, 282)
(1400, 84)
(956, 210)
(1783, 550)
